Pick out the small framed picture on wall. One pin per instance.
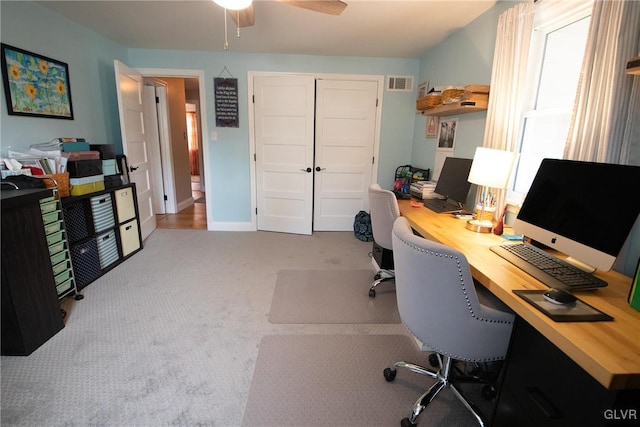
(432, 126)
(447, 134)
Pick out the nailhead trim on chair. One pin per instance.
(464, 290)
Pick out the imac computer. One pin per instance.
(452, 185)
(584, 210)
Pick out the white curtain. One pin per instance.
(604, 125)
(508, 81)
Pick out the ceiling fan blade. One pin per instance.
(331, 7)
(243, 17)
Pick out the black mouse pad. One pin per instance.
(577, 311)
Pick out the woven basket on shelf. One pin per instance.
(429, 101)
(451, 95)
(61, 180)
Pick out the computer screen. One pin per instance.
(452, 182)
(583, 209)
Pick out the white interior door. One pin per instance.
(155, 157)
(130, 92)
(346, 114)
(284, 132)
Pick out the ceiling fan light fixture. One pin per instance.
(233, 4)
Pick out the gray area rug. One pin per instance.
(332, 296)
(337, 380)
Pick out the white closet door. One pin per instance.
(283, 124)
(345, 137)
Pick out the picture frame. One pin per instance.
(35, 85)
(447, 134)
(432, 126)
(423, 89)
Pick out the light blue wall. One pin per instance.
(90, 59)
(465, 57)
(229, 166)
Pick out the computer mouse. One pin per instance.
(559, 296)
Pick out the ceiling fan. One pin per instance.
(244, 16)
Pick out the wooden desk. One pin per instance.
(608, 351)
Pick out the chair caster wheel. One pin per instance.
(406, 423)
(488, 392)
(389, 374)
(372, 293)
(433, 360)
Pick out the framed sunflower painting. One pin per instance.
(35, 85)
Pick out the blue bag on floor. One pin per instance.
(362, 227)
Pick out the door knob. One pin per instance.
(318, 169)
(133, 168)
(307, 170)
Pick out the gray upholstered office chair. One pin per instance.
(384, 210)
(438, 303)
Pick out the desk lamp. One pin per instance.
(491, 168)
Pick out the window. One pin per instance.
(558, 43)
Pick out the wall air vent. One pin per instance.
(400, 83)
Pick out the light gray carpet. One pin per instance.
(336, 380)
(170, 337)
(332, 296)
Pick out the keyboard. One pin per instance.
(441, 206)
(545, 267)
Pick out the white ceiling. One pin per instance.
(391, 29)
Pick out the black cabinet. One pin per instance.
(103, 230)
(544, 387)
(30, 309)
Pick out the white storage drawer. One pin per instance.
(124, 204)
(129, 237)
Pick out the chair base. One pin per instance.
(444, 378)
(382, 275)
(379, 279)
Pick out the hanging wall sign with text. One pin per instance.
(226, 94)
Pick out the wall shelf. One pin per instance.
(455, 108)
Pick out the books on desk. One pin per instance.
(424, 190)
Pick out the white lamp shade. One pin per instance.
(491, 168)
(233, 4)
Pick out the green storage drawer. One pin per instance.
(52, 228)
(62, 277)
(51, 217)
(47, 206)
(55, 248)
(64, 286)
(60, 267)
(55, 237)
(58, 257)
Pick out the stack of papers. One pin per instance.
(424, 190)
(44, 158)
